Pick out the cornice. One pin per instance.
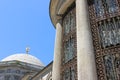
(57, 8)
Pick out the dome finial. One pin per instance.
(27, 50)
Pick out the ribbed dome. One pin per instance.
(24, 58)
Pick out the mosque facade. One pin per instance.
(87, 45)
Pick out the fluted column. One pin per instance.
(85, 53)
(57, 53)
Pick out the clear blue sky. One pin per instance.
(26, 23)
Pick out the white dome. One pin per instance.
(24, 58)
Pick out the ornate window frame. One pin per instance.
(101, 52)
(69, 20)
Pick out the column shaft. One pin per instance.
(85, 53)
(57, 53)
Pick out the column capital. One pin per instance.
(59, 24)
(59, 20)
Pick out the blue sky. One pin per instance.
(26, 23)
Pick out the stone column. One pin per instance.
(57, 53)
(85, 53)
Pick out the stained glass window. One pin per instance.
(1, 77)
(105, 29)
(102, 5)
(99, 8)
(110, 32)
(112, 66)
(73, 75)
(16, 77)
(117, 65)
(2, 71)
(66, 24)
(69, 22)
(69, 74)
(111, 5)
(8, 77)
(69, 49)
(72, 20)
(108, 60)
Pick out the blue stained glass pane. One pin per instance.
(111, 5)
(99, 8)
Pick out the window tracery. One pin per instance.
(69, 45)
(110, 32)
(99, 8)
(1, 77)
(69, 49)
(17, 77)
(8, 77)
(2, 71)
(112, 66)
(69, 74)
(103, 7)
(69, 22)
(105, 29)
(111, 5)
